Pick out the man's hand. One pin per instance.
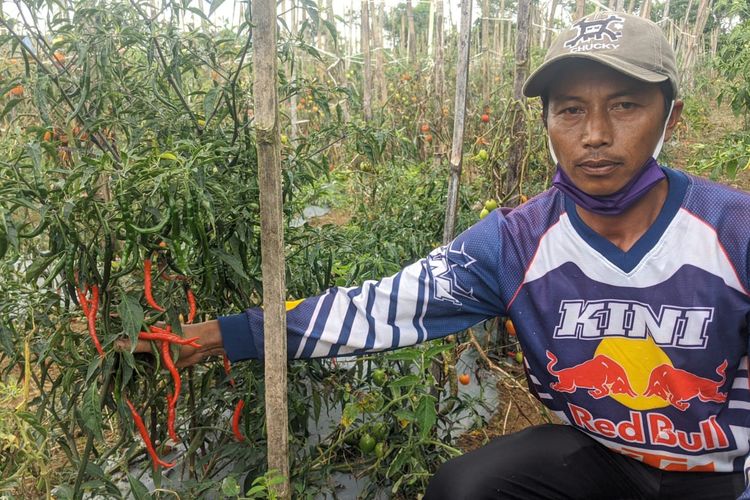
(208, 336)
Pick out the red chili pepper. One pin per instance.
(191, 305)
(167, 337)
(147, 286)
(171, 413)
(171, 399)
(146, 438)
(236, 420)
(169, 363)
(228, 368)
(90, 308)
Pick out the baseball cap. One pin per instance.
(629, 44)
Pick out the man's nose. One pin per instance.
(598, 129)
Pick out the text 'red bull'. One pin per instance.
(653, 428)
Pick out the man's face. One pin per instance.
(604, 125)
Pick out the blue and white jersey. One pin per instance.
(644, 350)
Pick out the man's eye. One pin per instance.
(572, 110)
(625, 105)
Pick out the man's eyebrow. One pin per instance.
(626, 92)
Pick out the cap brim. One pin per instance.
(540, 79)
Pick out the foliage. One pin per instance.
(734, 64)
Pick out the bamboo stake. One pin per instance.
(265, 95)
(459, 121)
(367, 68)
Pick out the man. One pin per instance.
(627, 282)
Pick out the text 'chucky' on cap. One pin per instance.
(629, 44)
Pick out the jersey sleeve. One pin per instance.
(454, 287)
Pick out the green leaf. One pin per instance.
(214, 5)
(234, 263)
(426, 415)
(404, 355)
(131, 312)
(405, 381)
(438, 349)
(9, 107)
(37, 268)
(137, 488)
(209, 101)
(230, 487)
(91, 411)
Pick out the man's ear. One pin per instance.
(673, 119)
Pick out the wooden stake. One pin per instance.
(459, 122)
(271, 238)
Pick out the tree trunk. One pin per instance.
(646, 9)
(293, 76)
(366, 65)
(412, 35)
(665, 14)
(503, 23)
(380, 85)
(486, 53)
(551, 24)
(431, 28)
(272, 238)
(518, 130)
(693, 43)
(459, 121)
(580, 10)
(402, 40)
(439, 68)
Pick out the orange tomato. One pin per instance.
(59, 57)
(464, 379)
(485, 118)
(425, 127)
(428, 138)
(17, 91)
(510, 327)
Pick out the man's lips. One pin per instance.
(599, 167)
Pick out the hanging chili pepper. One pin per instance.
(169, 337)
(171, 414)
(90, 308)
(147, 286)
(171, 399)
(236, 420)
(192, 307)
(227, 368)
(146, 438)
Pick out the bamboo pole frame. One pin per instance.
(268, 140)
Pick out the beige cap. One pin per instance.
(626, 43)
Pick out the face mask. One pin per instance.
(616, 203)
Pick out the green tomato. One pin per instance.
(379, 431)
(490, 205)
(380, 450)
(484, 213)
(379, 377)
(366, 444)
(483, 155)
(519, 357)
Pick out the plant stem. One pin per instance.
(90, 435)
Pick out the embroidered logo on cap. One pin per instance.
(591, 34)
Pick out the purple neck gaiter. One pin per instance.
(615, 203)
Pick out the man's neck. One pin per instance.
(625, 230)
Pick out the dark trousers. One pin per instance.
(559, 461)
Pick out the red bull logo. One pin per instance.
(601, 375)
(679, 386)
(653, 428)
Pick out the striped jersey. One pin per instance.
(645, 350)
